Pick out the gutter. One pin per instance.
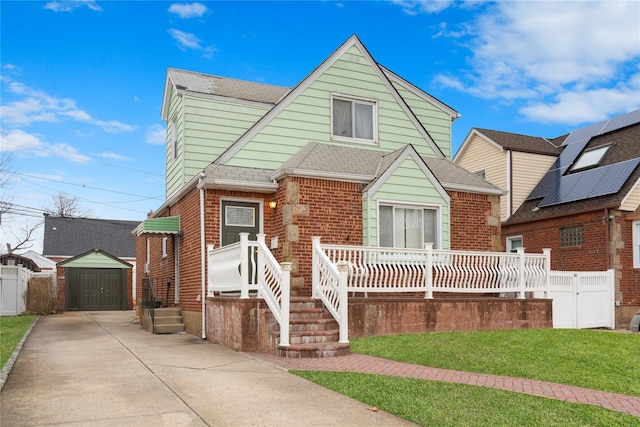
(202, 262)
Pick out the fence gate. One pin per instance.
(583, 300)
(13, 288)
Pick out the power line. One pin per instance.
(89, 187)
(50, 152)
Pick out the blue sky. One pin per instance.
(82, 81)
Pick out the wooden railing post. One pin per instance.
(285, 296)
(429, 271)
(521, 274)
(343, 304)
(547, 271)
(244, 265)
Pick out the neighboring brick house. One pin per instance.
(513, 162)
(587, 208)
(95, 262)
(353, 153)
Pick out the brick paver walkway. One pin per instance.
(374, 365)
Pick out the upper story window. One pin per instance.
(590, 157)
(173, 138)
(353, 119)
(480, 174)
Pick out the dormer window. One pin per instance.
(353, 119)
(590, 158)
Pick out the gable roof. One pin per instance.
(307, 81)
(563, 191)
(210, 86)
(68, 237)
(514, 142)
(95, 258)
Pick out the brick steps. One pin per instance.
(313, 332)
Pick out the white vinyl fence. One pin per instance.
(583, 299)
(13, 289)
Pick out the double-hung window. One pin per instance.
(408, 226)
(353, 119)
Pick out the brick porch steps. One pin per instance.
(168, 321)
(313, 331)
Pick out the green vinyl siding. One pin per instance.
(95, 260)
(175, 167)
(407, 185)
(436, 121)
(308, 117)
(208, 128)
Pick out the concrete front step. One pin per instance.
(329, 349)
(163, 320)
(310, 337)
(169, 328)
(299, 325)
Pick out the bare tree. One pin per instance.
(66, 207)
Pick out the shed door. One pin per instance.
(94, 289)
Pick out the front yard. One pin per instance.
(12, 329)
(586, 358)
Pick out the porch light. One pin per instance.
(273, 204)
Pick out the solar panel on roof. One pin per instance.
(591, 183)
(546, 184)
(622, 121)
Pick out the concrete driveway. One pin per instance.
(102, 369)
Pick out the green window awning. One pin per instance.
(165, 225)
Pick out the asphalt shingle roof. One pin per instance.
(205, 84)
(68, 237)
(524, 143)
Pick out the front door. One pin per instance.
(239, 217)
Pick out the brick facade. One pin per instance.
(306, 208)
(607, 244)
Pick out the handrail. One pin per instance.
(329, 283)
(149, 300)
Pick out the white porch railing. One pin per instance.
(250, 266)
(374, 269)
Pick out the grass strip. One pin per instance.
(430, 403)
(593, 359)
(12, 329)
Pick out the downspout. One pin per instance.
(203, 249)
(176, 267)
(509, 183)
(607, 237)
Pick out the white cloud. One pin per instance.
(188, 10)
(38, 106)
(156, 134)
(185, 40)
(114, 156)
(415, 7)
(19, 141)
(71, 5)
(564, 60)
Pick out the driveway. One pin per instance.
(102, 369)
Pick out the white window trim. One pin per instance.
(578, 165)
(361, 100)
(509, 242)
(437, 208)
(164, 246)
(173, 128)
(636, 243)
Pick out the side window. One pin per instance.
(174, 138)
(353, 119)
(164, 247)
(571, 236)
(513, 243)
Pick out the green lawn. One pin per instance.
(12, 329)
(594, 359)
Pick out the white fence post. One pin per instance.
(244, 265)
(284, 302)
(343, 298)
(521, 274)
(315, 270)
(429, 271)
(209, 278)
